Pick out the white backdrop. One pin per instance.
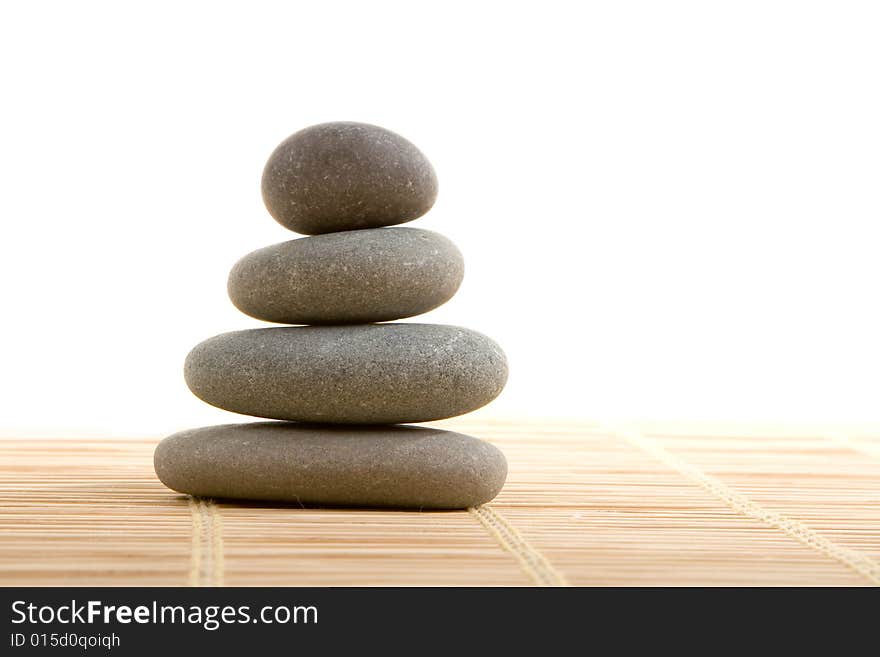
(668, 210)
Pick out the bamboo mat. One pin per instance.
(584, 504)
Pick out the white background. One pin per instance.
(668, 210)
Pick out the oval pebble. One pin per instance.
(395, 466)
(357, 276)
(344, 176)
(366, 373)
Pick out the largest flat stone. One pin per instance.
(357, 276)
(362, 374)
(313, 464)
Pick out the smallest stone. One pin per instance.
(347, 176)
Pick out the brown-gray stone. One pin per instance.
(356, 276)
(396, 466)
(361, 374)
(344, 176)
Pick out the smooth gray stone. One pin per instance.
(356, 276)
(343, 176)
(361, 374)
(395, 466)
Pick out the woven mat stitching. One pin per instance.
(859, 562)
(206, 544)
(216, 543)
(195, 548)
(532, 561)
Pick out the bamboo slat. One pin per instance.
(648, 504)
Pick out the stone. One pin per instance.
(344, 176)
(357, 276)
(397, 466)
(360, 374)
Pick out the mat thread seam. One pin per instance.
(195, 564)
(206, 544)
(796, 529)
(216, 543)
(535, 565)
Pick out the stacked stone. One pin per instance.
(342, 384)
